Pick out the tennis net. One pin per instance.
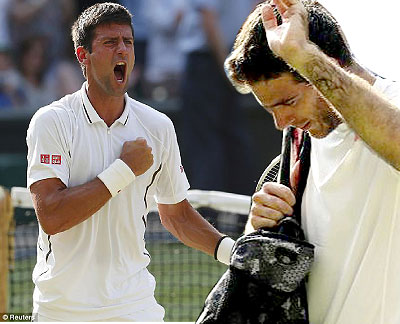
(184, 276)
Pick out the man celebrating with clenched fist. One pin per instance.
(95, 158)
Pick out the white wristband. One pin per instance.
(224, 249)
(117, 176)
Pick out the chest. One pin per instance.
(94, 147)
(347, 188)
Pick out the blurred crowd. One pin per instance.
(36, 55)
(180, 46)
(37, 60)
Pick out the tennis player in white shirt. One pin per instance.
(95, 157)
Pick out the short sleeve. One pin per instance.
(172, 185)
(48, 153)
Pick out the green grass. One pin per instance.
(184, 278)
(21, 285)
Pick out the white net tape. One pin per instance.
(220, 201)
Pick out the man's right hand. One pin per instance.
(292, 35)
(137, 155)
(270, 205)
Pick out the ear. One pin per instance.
(82, 55)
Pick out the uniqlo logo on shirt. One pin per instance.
(45, 158)
(56, 159)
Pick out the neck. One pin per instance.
(109, 108)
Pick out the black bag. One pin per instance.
(265, 282)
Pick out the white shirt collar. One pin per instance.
(91, 114)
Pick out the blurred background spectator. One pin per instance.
(33, 64)
(9, 79)
(10, 82)
(37, 59)
(215, 137)
(164, 63)
(4, 28)
(40, 33)
(50, 19)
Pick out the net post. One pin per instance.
(6, 216)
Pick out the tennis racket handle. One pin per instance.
(290, 227)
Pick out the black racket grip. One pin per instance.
(284, 170)
(287, 226)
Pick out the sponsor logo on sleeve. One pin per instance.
(45, 158)
(56, 159)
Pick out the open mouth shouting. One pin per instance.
(120, 72)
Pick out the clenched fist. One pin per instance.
(137, 155)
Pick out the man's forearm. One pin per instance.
(369, 113)
(59, 208)
(186, 224)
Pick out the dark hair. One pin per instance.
(82, 30)
(252, 60)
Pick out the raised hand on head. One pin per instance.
(286, 39)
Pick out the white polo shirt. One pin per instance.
(97, 269)
(351, 213)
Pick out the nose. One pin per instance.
(122, 48)
(282, 118)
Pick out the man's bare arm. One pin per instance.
(186, 224)
(59, 208)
